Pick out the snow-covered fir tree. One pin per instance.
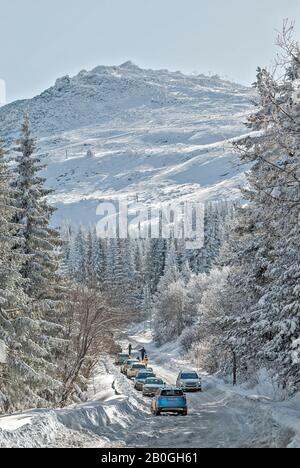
(218, 219)
(38, 328)
(33, 219)
(156, 259)
(261, 298)
(13, 300)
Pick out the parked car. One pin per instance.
(151, 386)
(127, 364)
(141, 378)
(189, 381)
(169, 400)
(121, 358)
(134, 369)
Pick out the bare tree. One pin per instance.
(91, 326)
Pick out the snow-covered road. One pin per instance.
(118, 416)
(217, 418)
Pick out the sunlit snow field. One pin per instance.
(154, 135)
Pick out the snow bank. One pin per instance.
(12, 423)
(90, 424)
(94, 423)
(285, 412)
(288, 414)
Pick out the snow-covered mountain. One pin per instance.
(117, 131)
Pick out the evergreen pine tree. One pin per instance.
(39, 330)
(12, 298)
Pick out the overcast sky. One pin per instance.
(42, 40)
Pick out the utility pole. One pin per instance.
(234, 365)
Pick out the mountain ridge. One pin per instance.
(154, 134)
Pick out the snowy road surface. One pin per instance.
(118, 416)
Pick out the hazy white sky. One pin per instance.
(41, 40)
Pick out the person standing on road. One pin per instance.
(130, 349)
(143, 353)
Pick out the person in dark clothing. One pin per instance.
(143, 353)
(130, 349)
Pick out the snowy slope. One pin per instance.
(159, 134)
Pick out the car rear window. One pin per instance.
(189, 376)
(138, 366)
(145, 375)
(154, 382)
(172, 393)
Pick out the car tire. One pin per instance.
(157, 413)
(185, 413)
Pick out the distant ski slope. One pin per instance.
(156, 134)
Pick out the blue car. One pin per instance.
(169, 400)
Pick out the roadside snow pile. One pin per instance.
(285, 412)
(35, 430)
(288, 414)
(91, 424)
(83, 425)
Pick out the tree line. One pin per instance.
(52, 329)
(156, 278)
